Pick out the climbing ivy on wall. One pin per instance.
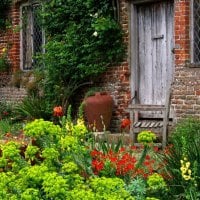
(4, 7)
(82, 40)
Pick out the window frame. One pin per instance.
(22, 65)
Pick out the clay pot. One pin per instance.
(98, 111)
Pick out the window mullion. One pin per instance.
(192, 31)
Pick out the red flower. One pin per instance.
(97, 166)
(94, 153)
(122, 149)
(125, 123)
(147, 157)
(123, 163)
(146, 163)
(156, 149)
(133, 148)
(58, 111)
(8, 134)
(5, 113)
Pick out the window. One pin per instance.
(32, 35)
(195, 36)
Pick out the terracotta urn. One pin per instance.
(98, 111)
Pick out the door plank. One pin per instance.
(155, 58)
(145, 43)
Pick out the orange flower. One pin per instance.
(125, 123)
(58, 111)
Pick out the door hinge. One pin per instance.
(134, 97)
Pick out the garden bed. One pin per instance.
(61, 159)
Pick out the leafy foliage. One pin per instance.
(64, 162)
(33, 107)
(183, 156)
(5, 127)
(7, 122)
(137, 187)
(46, 170)
(6, 109)
(146, 137)
(80, 47)
(4, 6)
(4, 63)
(109, 188)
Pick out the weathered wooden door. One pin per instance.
(153, 64)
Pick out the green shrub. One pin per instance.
(137, 187)
(6, 109)
(5, 127)
(185, 140)
(48, 171)
(62, 162)
(109, 188)
(4, 6)
(44, 133)
(146, 137)
(33, 107)
(42, 169)
(71, 59)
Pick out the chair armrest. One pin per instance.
(144, 107)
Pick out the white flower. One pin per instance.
(95, 34)
(95, 15)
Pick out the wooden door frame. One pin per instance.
(134, 52)
(136, 2)
(134, 47)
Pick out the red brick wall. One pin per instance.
(15, 50)
(116, 82)
(181, 31)
(11, 38)
(186, 92)
(186, 89)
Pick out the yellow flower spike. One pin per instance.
(187, 178)
(183, 169)
(189, 171)
(69, 126)
(182, 162)
(187, 164)
(80, 121)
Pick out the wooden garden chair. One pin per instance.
(156, 125)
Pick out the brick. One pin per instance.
(198, 92)
(197, 107)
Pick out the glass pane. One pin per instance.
(32, 35)
(37, 33)
(26, 38)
